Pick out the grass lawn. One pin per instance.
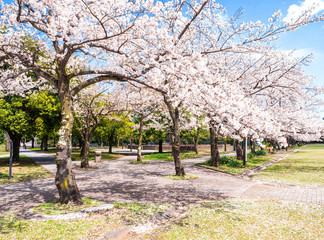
(104, 155)
(236, 167)
(305, 168)
(25, 170)
(76, 154)
(55, 208)
(168, 156)
(246, 219)
(92, 227)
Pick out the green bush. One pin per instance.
(250, 155)
(224, 160)
(234, 163)
(260, 153)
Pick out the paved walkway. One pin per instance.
(120, 181)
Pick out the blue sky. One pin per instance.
(308, 39)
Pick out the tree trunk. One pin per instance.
(160, 146)
(139, 150)
(244, 145)
(131, 145)
(33, 143)
(42, 144)
(239, 152)
(86, 150)
(252, 146)
(16, 139)
(117, 144)
(82, 146)
(225, 145)
(65, 179)
(176, 142)
(110, 140)
(196, 140)
(214, 148)
(45, 146)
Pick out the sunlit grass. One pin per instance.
(25, 170)
(305, 168)
(239, 168)
(92, 227)
(55, 208)
(104, 156)
(246, 219)
(185, 177)
(168, 156)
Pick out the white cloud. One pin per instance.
(294, 11)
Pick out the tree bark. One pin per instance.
(252, 146)
(195, 140)
(110, 140)
(214, 148)
(33, 143)
(139, 149)
(160, 146)
(65, 179)
(174, 112)
(86, 150)
(225, 145)
(239, 152)
(16, 139)
(45, 146)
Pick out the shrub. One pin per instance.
(224, 160)
(260, 153)
(234, 163)
(250, 155)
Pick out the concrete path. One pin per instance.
(120, 181)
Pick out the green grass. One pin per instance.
(185, 177)
(137, 213)
(92, 227)
(246, 219)
(304, 168)
(139, 162)
(236, 166)
(55, 208)
(25, 170)
(104, 156)
(168, 156)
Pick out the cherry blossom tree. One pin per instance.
(90, 105)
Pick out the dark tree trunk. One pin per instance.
(244, 145)
(123, 145)
(16, 139)
(225, 146)
(160, 146)
(82, 146)
(45, 146)
(176, 145)
(214, 148)
(33, 143)
(195, 140)
(239, 152)
(175, 138)
(252, 146)
(139, 149)
(42, 144)
(65, 179)
(110, 140)
(86, 150)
